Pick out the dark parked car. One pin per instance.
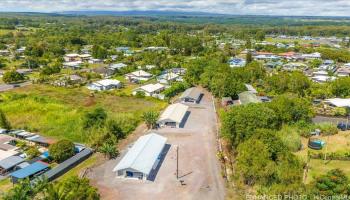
(343, 126)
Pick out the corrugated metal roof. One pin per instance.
(10, 162)
(193, 93)
(174, 112)
(143, 154)
(248, 97)
(30, 170)
(68, 164)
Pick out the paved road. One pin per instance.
(6, 87)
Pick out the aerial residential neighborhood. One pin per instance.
(174, 100)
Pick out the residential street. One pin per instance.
(6, 87)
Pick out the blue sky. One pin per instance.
(262, 7)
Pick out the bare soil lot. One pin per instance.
(198, 165)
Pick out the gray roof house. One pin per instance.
(142, 158)
(9, 163)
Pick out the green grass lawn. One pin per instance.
(320, 167)
(58, 112)
(335, 143)
(5, 31)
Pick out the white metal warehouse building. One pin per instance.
(173, 115)
(142, 158)
(191, 95)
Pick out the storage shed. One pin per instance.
(68, 164)
(142, 158)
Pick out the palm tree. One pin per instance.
(109, 150)
(150, 118)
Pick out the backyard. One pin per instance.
(335, 144)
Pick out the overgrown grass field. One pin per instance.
(59, 112)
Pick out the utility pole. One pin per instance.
(177, 162)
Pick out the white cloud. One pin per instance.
(263, 7)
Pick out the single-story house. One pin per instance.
(104, 71)
(150, 89)
(85, 57)
(173, 116)
(30, 171)
(106, 84)
(4, 52)
(8, 164)
(191, 95)
(338, 102)
(7, 147)
(122, 49)
(315, 55)
(117, 66)
(22, 134)
(138, 75)
(72, 57)
(322, 77)
(247, 97)
(142, 158)
(73, 64)
(24, 71)
(237, 62)
(39, 140)
(95, 61)
(343, 72)
(156, 48)
(168, 77)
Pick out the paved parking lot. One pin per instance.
(199, 168)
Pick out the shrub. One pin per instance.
(62, 150)
(328, 129)
(12, 77)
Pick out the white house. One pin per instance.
(337, 102)
(117, 66)
(315, 55)
(322, 77)
(85, 57)
(142, 158)
(73, 64)
(106, 84)
(173, 116)
(150, 89)
(71, 57)
(138, 75)
(95, 61)
(168, 77)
